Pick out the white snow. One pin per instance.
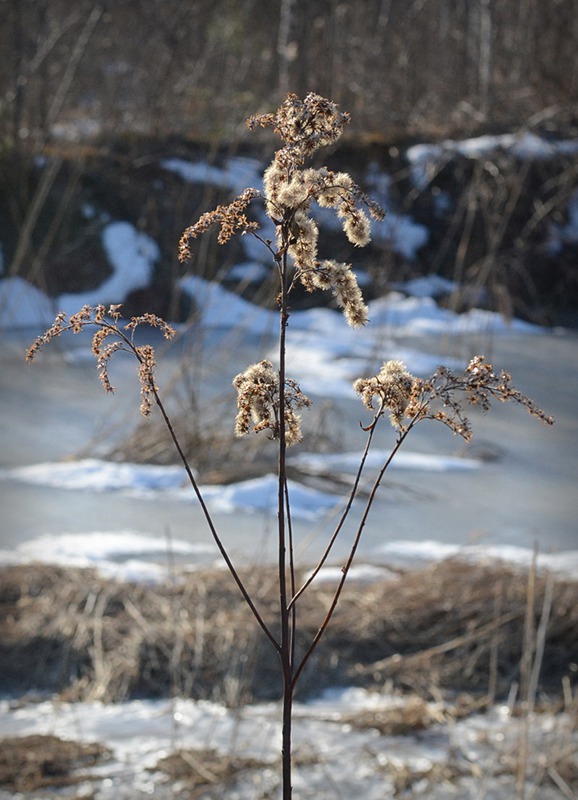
(132, 255)
(426, 158)
(249, 272)
(421, 315)
(122, 555)
(220, 308)
(324, 354)
(23, 305)
(358, 573)
(329, 750)
(348, 462)
(100, 476)
(149, 482)
(412, 554)
(237, 174)
(260, 495)
(430, 286)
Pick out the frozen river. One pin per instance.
(524, 492)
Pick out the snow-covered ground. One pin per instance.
(477, 757)
(324, 355)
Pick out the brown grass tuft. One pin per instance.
(454, 628)
(29, 763)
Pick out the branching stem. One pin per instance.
(347, 566)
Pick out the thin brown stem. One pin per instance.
(291, 606)
(343, 518)
(347, 566)
(129, 341)
(209, 520)
(286, 642)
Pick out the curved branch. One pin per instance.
(222, 549)
(345, 569)
(344, 515)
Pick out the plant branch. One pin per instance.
(347, 566)
(344, 515)
(222, 549)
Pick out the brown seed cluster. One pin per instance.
(258, 403)
(232, 218)
(290, 189)
(303, 125)
(441, 396)
(392, 388)
(108, 338)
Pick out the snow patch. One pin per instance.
(132, 255)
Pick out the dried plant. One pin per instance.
(413, 399)
(110, 337)
(270, 400)
(257, 402)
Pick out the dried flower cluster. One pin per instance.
(303, 125)
(289, 191)
(231, 218)
(108, 339)
(393, 387)
(413, 399)
(258, 403)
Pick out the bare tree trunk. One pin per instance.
(283, 42)
(485, 63)
(49, 176)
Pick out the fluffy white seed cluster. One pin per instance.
(393, 388)
(288, 202)
(258, 403)
(290, 189)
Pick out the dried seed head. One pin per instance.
(329, 274)
(258, 403)
(392, 387)
(148, 387)
(358, 229)
(108, 338)
(231, 218)
(303, 242)
(303, 125)
(442, 396)
(290, 188)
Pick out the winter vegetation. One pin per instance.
(270, 401)
(296, 601)
(434, 69)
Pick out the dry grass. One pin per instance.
(216, 454)
(29, 763)
(452, 628)
(458, 632)
(192, 772)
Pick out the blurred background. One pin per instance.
(93, 95)
(422, 68)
